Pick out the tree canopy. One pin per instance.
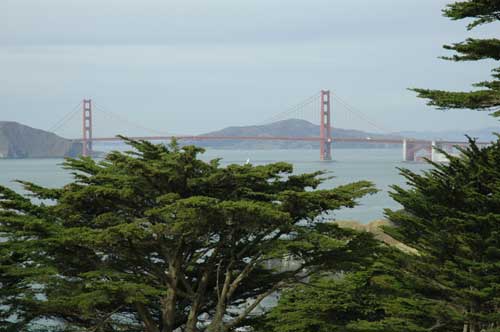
(450, 283)
(486, 96)
(156, 239)
(383, 297)
(451, 216)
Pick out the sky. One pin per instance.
(193, 66)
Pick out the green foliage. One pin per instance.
(487, 96)
(481, 11)
(156, 239)
(451, 215)
(381, 298)
(451, 283)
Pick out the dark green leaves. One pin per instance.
(481, 11)
(487, 97)
(451, 215)
(156, 238)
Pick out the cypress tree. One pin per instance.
(451, 216)
(156, 239)
(487, 95)
(382, 297)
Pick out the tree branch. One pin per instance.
(101, 323)
(252, 306)
(200, 291)
(146, 318)
(436, 326)
(242, 275)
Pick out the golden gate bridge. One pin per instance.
(319, 105)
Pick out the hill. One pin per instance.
(485, 134)
(290, 128)
(302, 128)
(20, 141)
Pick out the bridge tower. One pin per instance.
(325, 126)
(87, 128)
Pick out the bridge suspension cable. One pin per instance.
(114, 116)
(66, 118)
(293, 110)
(359, 114)
(307, 109)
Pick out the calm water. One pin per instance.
(376, 165)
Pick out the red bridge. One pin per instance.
(413, 149)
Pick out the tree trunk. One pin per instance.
(169, 301)
(168, 311)
(192, 322)
(217, 324)
(194, 312)
(149, 323)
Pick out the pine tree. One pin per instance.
(451, 216)
(156, 239)
(487, 96)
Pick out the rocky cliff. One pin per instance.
(20, 141)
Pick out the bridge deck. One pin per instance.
(279, 138)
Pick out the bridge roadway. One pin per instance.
(412, 148)
(244, 138)
(280, 138)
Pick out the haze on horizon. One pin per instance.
(192, 66)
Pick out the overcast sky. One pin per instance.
(191, 66)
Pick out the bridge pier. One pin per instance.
(438, 156)
(428, 149)
(411, 150)
(450, 148)
(434, 152)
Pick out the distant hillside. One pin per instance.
(485, 134)
(302, 128)
(20, 141)
(291, 128)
